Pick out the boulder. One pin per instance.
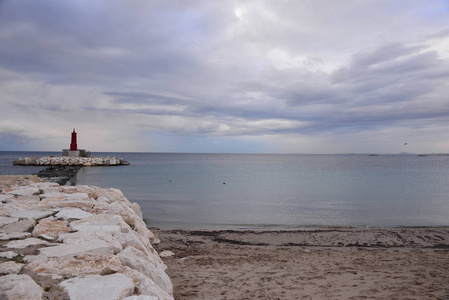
(101, 222)
(26, 199)
(70, 250)
(10, 267)
(142, 297)
(146, 286)
(7, 220)
(98, 232)
(6, 198)
(44, 185)
(8, 254)
(166, 253)
(137, 241)
(136, 207)
(20, 244)
(84, 236)
(23, 190)
(6, 209)
(20, 226)
(51, 227)
(83, 264)
(94, 287)
(15, 287)
(14, 236)
(32, 214)
(138, 261)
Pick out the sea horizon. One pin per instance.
(272, 191)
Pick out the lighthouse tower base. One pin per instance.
(77, 153)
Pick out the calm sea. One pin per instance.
(211, 191)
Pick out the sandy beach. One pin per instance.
(319, 263)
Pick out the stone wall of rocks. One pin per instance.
(70, 161)
(82, 242)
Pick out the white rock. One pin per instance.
(23, 190)
(166, 253)
(137, 241)
(138, 261)
(105, 224)
(32, 214)
(94, 287)
(141, 228)
(93, 228)
(5, 198)
(113, 195)
(84, 236)
(145, 285)
(70, 250)
(20, 226)
(77, 196)
(56, 200)
(17, 287)
(83, 264)
(7, 220)
(102, 222)
(50, 226)
(14, 236)
(136, 207)
(46, 237)
(26, 243)
(118, 208)
(26, 199)
(44, 185)
(8, 254)
(113, 161)
(52, 194)
(10, 267)
(141, 297)
(7, 209)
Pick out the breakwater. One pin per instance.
(81, 242)
(70, 161)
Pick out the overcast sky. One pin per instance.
(316, 76)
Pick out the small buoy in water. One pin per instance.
(170, 180)
(224, 182)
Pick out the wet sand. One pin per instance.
(324, 263)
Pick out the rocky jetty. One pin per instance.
(70, 161)
(82, 242)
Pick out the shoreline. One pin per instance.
(374, 263)
(293, 228)
(325, 237)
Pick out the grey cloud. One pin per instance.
(209, 64)
(97, 40)
(143, 98)
(357, 96)
(11, 136)
(441, 34)
(383, 55)
(40, 106)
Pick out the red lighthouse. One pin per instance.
(73, 145)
